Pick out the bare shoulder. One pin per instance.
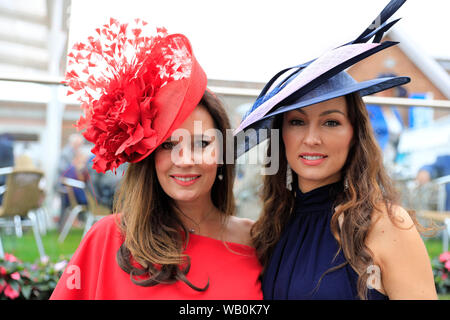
(401, 254)
(385, 225)
(399, 215)
(387, 230)
(238, 230)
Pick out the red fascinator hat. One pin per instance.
(134, 89)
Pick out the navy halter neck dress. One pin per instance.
(306, 250)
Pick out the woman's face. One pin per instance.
(317, 140)
(186, 163)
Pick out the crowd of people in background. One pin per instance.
(76, 163)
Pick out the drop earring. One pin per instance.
(220, 175)
(289, 177)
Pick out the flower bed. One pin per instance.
(21, 280)
(441, 272)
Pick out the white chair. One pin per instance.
(93, 209)
(21, 204)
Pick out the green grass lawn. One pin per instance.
(26, 250)
(434, 246)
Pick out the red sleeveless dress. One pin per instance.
(93, 273)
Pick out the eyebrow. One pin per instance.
(323, 113)
(194, 137)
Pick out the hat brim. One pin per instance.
(364, 88)
(266, 123)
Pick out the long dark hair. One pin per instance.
(369, 188)
(154, 236)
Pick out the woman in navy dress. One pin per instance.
(338, 233)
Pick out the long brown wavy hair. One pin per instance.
(154, 236)
(369, 189)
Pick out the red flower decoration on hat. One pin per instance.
(120, 76)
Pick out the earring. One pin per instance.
(289, 177)
(220, 175)
(345, 184)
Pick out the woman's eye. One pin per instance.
(332, 123)
(167, 145)
(202, 143)
(296, 122)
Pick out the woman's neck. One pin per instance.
(309, 185)
(197, 214)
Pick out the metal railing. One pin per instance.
(246, 92)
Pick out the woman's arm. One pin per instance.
(400, 253)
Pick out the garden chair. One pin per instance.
(96, 211)
(75, 207)
(25, 163)
(93, 209)
(21, 201)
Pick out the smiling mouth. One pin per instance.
(185, 179)
(312, 158)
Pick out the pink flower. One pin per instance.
(2, 271)
(444, 256)
(10, 292)
(447, 265)
(10, 258)
(15, 276)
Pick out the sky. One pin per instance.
(251, 40)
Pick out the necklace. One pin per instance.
(192, 230)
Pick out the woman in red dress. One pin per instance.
(175, 236)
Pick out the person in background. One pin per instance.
(68, 153)
(77, 170)
(6, 157)
(440, 168)
(103, 185)
(387, 122)
(75, 142)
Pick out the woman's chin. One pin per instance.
(185, 196)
